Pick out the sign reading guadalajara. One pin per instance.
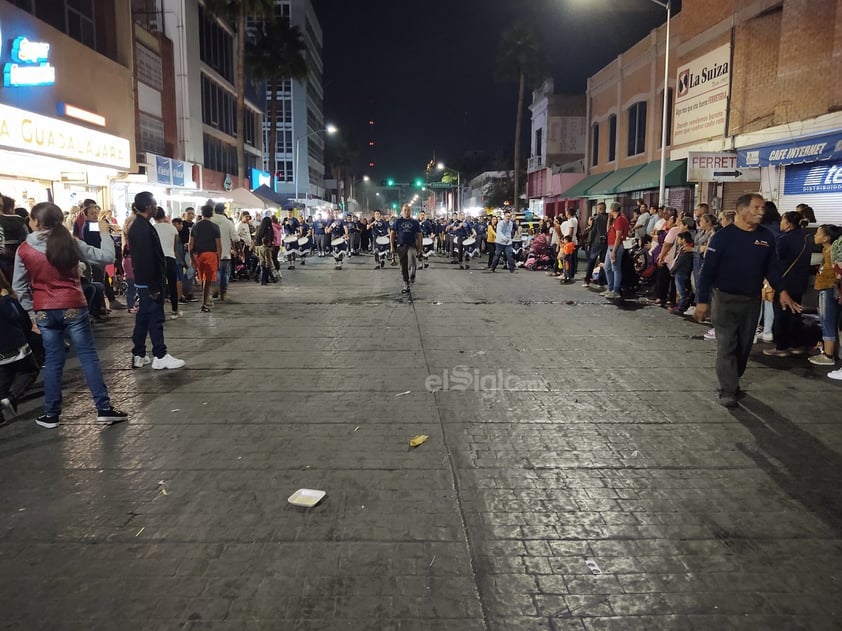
(701, 100)
(27, 131)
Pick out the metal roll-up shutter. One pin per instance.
(732, 191)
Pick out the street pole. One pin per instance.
(297, 170)
(662, 180)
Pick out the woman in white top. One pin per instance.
(169, 236)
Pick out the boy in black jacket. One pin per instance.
(681, 271)
(18, 368)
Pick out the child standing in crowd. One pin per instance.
(828, 297)
(681, 271)
(568, 251)
(18, 368)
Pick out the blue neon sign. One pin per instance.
(30, 65)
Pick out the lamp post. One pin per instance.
(458, 201)
(662, 180)
(330, 129)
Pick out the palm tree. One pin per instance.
(339, 158)
(520, 58)
(238, 11)
(277, 54)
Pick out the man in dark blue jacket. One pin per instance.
(737, 260)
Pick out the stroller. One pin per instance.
(538, 257)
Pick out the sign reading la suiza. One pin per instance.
(701, 100)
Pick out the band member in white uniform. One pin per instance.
(338, 234)
(382, 243)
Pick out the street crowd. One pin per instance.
(60, 272)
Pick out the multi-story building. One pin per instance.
(300, 145)
(753, 109)
(66, 106)
(559, 135)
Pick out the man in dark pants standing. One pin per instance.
(150, 279)
(737, 260)
(409, 240)
(597, 241)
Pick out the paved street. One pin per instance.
(594, 483)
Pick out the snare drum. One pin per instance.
(427, 241)
(469, 241)
(303, 241)
(338, 242)
(290, 239)
(382, 240)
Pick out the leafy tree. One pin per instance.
(340, 157)
(522, 58)
(238, 12)
(498, 192)
(277, 54)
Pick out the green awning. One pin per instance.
(580, 189)
(649, 177)
(609, 185)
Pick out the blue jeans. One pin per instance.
(829, 312)
(698, 259)
(614, 271)
(223, 275)
(502, 250)
(149, 320)
(682, 287)
(54, 323)
(131, 293)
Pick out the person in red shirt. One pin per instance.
(614, 261)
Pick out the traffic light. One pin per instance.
(394, 205)
(390, 181)
(418, 182)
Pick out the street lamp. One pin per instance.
(458, 202)
(329, 129)
(662, 180)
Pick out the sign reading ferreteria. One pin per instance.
(718, 166)
(27, 131)
(701, 101)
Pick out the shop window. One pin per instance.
(595, 145)
(612, 138)
(637, 129)
(80, 22)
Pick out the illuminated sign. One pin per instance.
(65, 109)
(30, 65)
(26, 131)
(260, 178)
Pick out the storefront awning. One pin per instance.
(580, 189)
(809, 149)
(649, 177)
(244, 199)
(609, 185)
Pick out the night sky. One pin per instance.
(424, 71)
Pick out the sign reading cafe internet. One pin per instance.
(27, 131)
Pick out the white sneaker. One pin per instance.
(835, 374)
(140, 362)
(175, 315)
(691, 310)
(610, 294)
(167, 362)
(766, 337)
(710, 334)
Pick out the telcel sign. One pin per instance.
(30, 65)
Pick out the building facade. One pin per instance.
(67, 113)
(300, 145)
(558, 141)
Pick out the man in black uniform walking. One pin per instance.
(407, 239)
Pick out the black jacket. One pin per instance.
(14, 324)
(148, 262)
(794, 252)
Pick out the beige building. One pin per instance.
(67, 103)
